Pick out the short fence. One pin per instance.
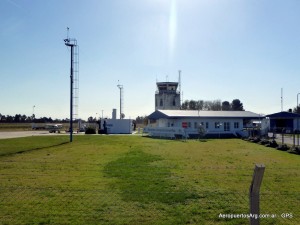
(109, 203)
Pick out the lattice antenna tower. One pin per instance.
(74, 80)
(76, 83)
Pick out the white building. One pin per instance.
(186, 123)
(116, 126)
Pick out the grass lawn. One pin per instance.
(15, 126)
(137, 180)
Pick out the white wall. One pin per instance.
(123, 126)
(211, 124)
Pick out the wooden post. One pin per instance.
(254, 193)
(294, 135)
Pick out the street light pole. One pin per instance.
(297, 103)
(121, 89)
(32, 117)
(33, 112)
(297, 120)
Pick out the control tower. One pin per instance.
(167, 96)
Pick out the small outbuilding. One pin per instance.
(284, 122)
(115, 126)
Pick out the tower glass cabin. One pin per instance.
(167, 96)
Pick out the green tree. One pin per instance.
(216, 105)
(17, 118)
(236, 105)
(226, 106)
(185, 105)
(199, 105)
(192, 105)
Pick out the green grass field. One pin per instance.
(138, 180)
(15, 126)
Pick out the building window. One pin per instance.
(236, 125)
(207, 125)
(161, 102)
(226, 126)
(217, 125)
(189, 124)
(195, 125)
(174, 102)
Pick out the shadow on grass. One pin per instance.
(41, 148)
(141, 178)
(25, 145)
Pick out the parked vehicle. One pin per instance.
(53, 128)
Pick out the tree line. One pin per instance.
(19, 118)
(215, 105)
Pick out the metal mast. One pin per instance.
(179, 86)
(74, 72)
(121, 100)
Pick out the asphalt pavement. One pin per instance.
(18, 134)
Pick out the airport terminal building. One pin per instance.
(186, 123)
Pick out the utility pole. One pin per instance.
(297, 121)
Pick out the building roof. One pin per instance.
(167, 83)
(207, 114)
(283, 115)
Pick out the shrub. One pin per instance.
(255, 140)
(283, 147)
(294, 150)
(272, 144)
(90, 130)
(264, 142)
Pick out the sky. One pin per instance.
(225, 49)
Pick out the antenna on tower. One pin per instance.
(179, 80)
(179, 85)
(68, 32)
